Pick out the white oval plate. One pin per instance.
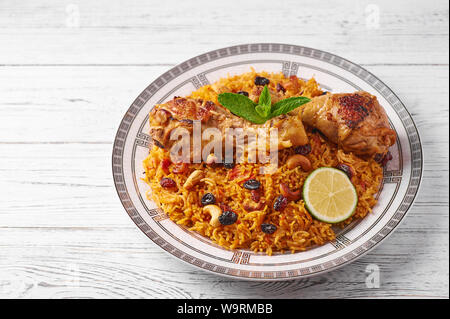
(401, 176)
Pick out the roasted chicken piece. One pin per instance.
(354, 121)
(181, 112)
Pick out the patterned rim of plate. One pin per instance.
(358, 71)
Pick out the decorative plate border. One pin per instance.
(404, 115)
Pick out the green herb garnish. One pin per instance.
(287, 105)
(259, 113)
(242, 106)
(265, 103)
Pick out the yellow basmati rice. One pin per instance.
(296, 229)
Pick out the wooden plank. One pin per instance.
(82, 103)
(84, 263)
(86, 103)
(145, 32)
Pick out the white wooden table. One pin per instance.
(70, 69)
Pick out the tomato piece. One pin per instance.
(165, 163)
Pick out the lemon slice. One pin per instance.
(329, 195)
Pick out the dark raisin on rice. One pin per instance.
(256, 195)
(388, 157)
(208, 199)
(303, 149)
(378, 157)
(252, 184)
(383, 159)
(167, 182)
(280, 88)
(280, 203)
(346, 169)
(228, 218)
(268, 228)
(243, 93)
(259, 80)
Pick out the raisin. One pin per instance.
(303, 149)
(268, 228)
(280, 88)
(387, 158)
(252, 184)
(259, 80)
(256, 195)
(243, 93)
(346, 169)
(280, 203)
(208, 199)
(167, 182)
(378, 157)
(228, 218)
(383, 159)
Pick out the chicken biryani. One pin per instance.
(330, 152)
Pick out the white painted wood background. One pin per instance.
(70, 69)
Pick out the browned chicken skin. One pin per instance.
(180, 112)
(354, 121)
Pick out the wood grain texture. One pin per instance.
(108, 32)
(64, 89)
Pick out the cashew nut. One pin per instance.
(286, 192)
(215, 212)
(298, 160)
(193, 179)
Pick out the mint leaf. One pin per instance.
(264, 103)
(242, 106)
(261, 110)
(264, 98)
(287, 105)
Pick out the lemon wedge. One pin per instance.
(329, 195)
